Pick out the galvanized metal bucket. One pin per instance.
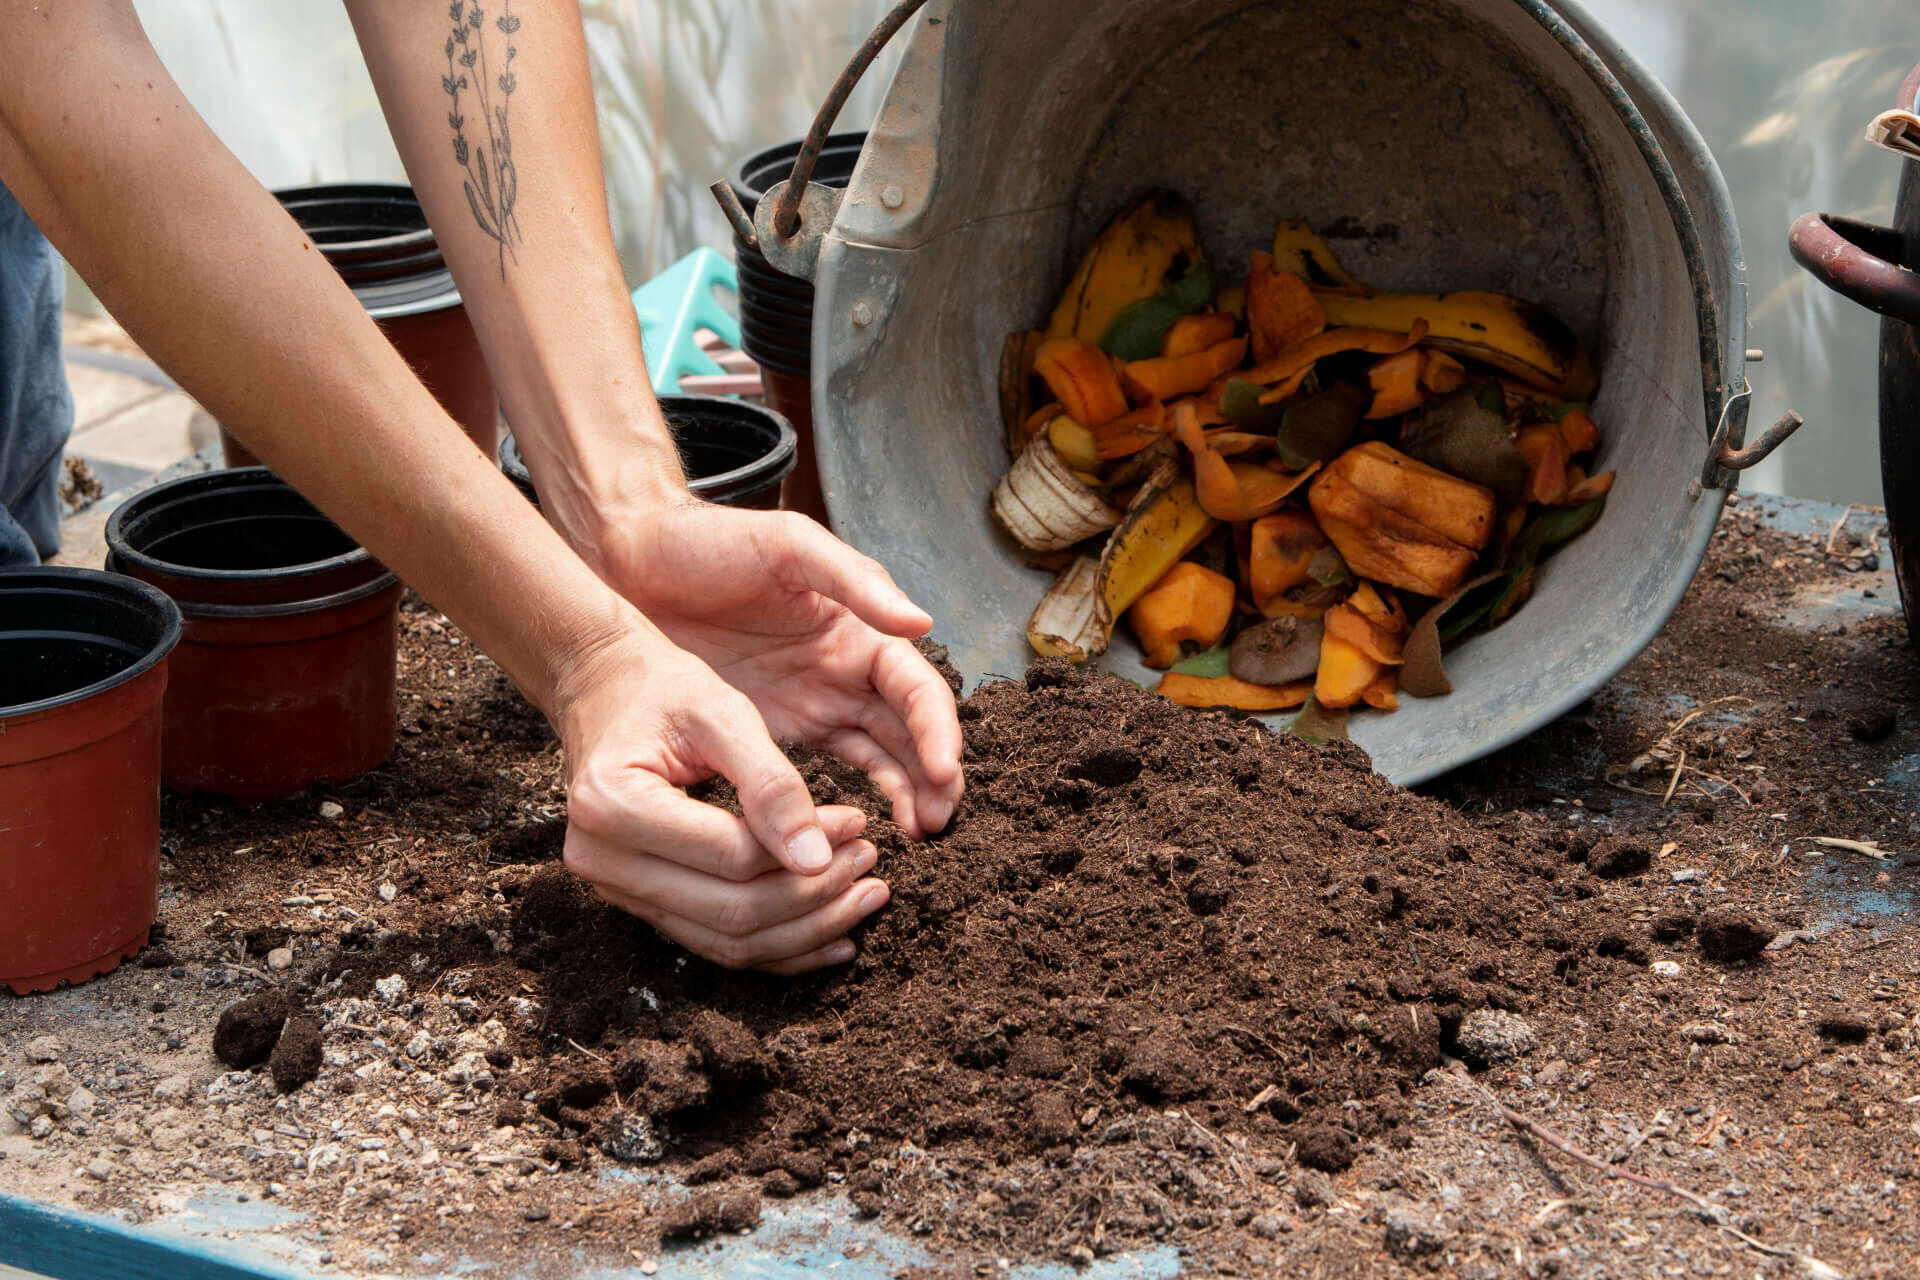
(1494, 144)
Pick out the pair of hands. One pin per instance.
(763, 626)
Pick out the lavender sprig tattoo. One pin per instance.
(492, 183)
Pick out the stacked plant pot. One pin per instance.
(376, 236)
(285, 676)
(776, 310)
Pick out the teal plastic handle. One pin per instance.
(675, 305)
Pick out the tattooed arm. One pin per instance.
(492, 107)
(220, 286)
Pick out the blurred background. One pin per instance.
(1781, 89)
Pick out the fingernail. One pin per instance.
(840, 952)
(874, 899)
(865, 860)
(809, 851)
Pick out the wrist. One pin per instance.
(593, 483)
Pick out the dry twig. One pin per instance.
(1711, 1213)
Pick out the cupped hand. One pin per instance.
(816, 634)
(776, 890)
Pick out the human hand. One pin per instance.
(808, 628)
(775, 890)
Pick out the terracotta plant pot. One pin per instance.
(286, 674)
(376, 236)
(83, 666)
(735, 454)
(776, 310)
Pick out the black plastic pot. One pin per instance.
(376, 236)
(83, 668)
(735, 454)
(776, 310)
(286, 674)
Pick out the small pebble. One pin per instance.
(1665, 968)
(331, 809)
(280, 958)
(1687, 875)
(387, 892)
(536, 1214)
(98, 1169)
(392, 988)
(1490, 1036)
(45, 1049)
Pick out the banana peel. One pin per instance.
(1165, 523)
(1298, 251)
(1045, 506)
(1151, 244)
(1071, 622)
(1514, 336)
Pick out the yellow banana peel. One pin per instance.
(1149, 245)
(1516, 337)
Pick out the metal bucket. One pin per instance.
(1494, 144)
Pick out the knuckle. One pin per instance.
(580, 855)
(590, 804)
(732, 953)
(738, 917)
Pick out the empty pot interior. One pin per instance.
(66, 631)
(237, 529)
(1439, 144)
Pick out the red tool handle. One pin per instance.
(1850, 257)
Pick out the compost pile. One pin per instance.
(1158, 954)
(1295, 463)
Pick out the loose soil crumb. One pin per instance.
(247, 1031)
(296, 1057)
(1169, 978)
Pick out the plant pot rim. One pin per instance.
(292, 608)
(96, 582)
(228, 480)
(771, 465)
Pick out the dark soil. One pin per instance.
(1170, 977)
(297, 1055)
(247, 1031)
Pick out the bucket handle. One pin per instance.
(794, 216)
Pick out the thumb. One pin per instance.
(835, 570)
(773, 798)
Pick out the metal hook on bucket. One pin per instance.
(788, 210)
(1725, 457)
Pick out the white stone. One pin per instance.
(1665, 968)
(45, 1049)
(420, 1045)
(392, 988)
(331, 809)
(173, 1089)
(280, 958)
(387, 892)
(81, 1101)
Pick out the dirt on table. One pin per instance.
(1168, 978)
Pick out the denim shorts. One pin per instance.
(36, 408)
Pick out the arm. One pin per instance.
(219, 285)
(492, 107)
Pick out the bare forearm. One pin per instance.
(221, 287)
(492, 108)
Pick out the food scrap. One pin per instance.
(1296, 489)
